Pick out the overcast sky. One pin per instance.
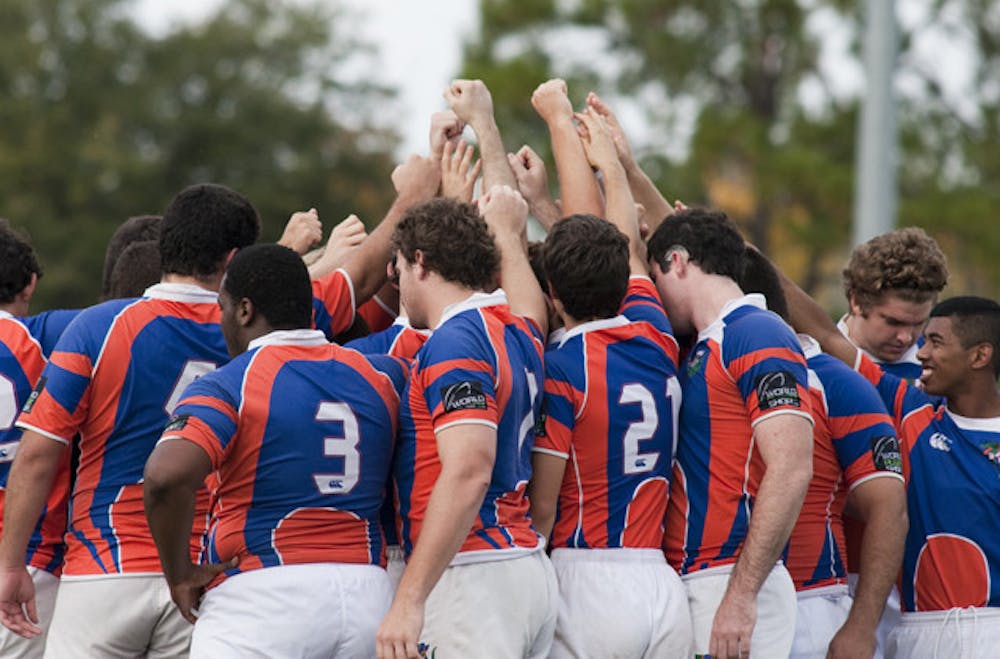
(420, 50)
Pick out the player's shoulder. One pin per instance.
(749, 328)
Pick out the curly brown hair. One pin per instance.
(906, 262)
(455, 242)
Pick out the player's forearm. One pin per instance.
(647, 194)
(524, 294)
(451, 510)
(28, 487)
(545, 211)
(621, 212)
(881, 555)
(776, 507)
(578, 187)
(170, 513)
(496, 169)
(366, 267)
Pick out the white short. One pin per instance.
(126, 615)
(313, 610)
(648, 614)
(493, 610)
(776, 604)
(821, 613)
(394, 565)
(890, 616)
(13, 646)
(972, 633)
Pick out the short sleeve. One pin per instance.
(206, 416)
(559, 408)
(333, 303)
(457, 377)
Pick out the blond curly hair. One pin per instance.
(906, 262)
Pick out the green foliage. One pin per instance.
(782, 170)
(102, 121)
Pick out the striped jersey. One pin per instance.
(745, 367)
(481, 365)
(611, 404)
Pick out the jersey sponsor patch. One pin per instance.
(177, 423)
(777, 389)
(33, 396)
(466, 395)
(886, 454)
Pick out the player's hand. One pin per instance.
(458, 174)
(188, 590)
(470, 100)
(417, 179)
(529, 171)
(597, 141)
(446, 128)
(852, 642)
(621, 143)
(303, 231)
(398, 635)
(551, 101)
(733, 626)
(504, 209)
(344, 239)
(17, 602)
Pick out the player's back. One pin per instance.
(398, 340)
(115, 375)
(483, 364)
(24, 346)
(854, 440)
(302, 434)
(612, 399)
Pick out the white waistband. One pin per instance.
(615, 555)
(834, 590)
(967, 613)
(720, 570)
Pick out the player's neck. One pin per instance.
(714, 293)
(978, 399)
(445, 294)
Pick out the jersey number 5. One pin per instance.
(345, 446)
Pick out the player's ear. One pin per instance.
(245, 312)
(981, 356)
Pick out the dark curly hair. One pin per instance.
(906, 262)
(17, 263)
(454, 240)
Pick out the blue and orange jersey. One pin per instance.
(854, 441)
(611, 404)
(400, 339)
(25, 345)
(377, 314)
(301, 432)
(745, 367)
(952, 468)
(333, 303)
(113, 378)
(481, 365)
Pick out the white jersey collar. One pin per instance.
(593, 326)
(298, 337)
(750, 299)
(175, 292)
(477, 300)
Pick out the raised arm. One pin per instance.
(344, 239)
(532, 182)
(807, 317)
(578, 187)
(415, 181)
(303, 231)
(470, 100)
(506, 213)
(600, 151)
(643, 189)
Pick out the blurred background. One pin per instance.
(109, 107)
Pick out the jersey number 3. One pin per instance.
(345, 447)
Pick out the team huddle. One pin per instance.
(637, 438)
